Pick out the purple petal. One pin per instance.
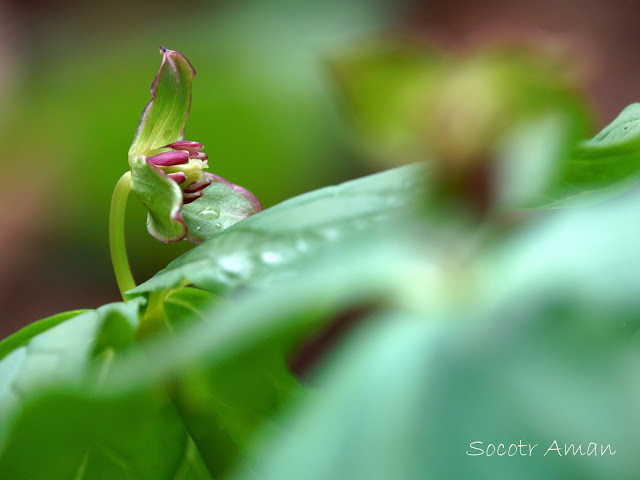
(166, 159)
(186, 145)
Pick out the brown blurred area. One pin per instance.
(38, 279)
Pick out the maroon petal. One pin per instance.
(177, 177)
(197, 186)
(199, 155)
(190, 197)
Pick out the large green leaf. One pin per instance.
(542, 352)
(407, 397)
(252, 326)
(273, 240)
(535, 307)
(227, 373)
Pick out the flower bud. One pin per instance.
(168, 181)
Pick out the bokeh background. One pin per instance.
(74, 77)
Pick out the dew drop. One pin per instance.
(209, 214)
(233, 265)
(270, 258)
(302, 245)
(395, 201)
(331, 233)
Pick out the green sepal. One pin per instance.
(162, 198)
(164, 118)
(222, 205)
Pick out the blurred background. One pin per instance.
(74, 77)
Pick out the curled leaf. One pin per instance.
(162, 198)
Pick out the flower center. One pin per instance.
(184, 164)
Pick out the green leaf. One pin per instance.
(192, 467)
(164, 118)
(222, 205)
(23, 336)
(374, 420)
(186, 306)
(598, 169)
(528, 159)
(223, 406)
(275, 239)
(525, 317)
(55, 410)
(625, 127)
(363, 272)
(162, 198)
(61, 353)
(70, 433)
(228, 372)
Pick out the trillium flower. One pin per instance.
(167, 172)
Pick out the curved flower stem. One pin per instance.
(117, 244)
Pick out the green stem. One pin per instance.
(117, 244)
